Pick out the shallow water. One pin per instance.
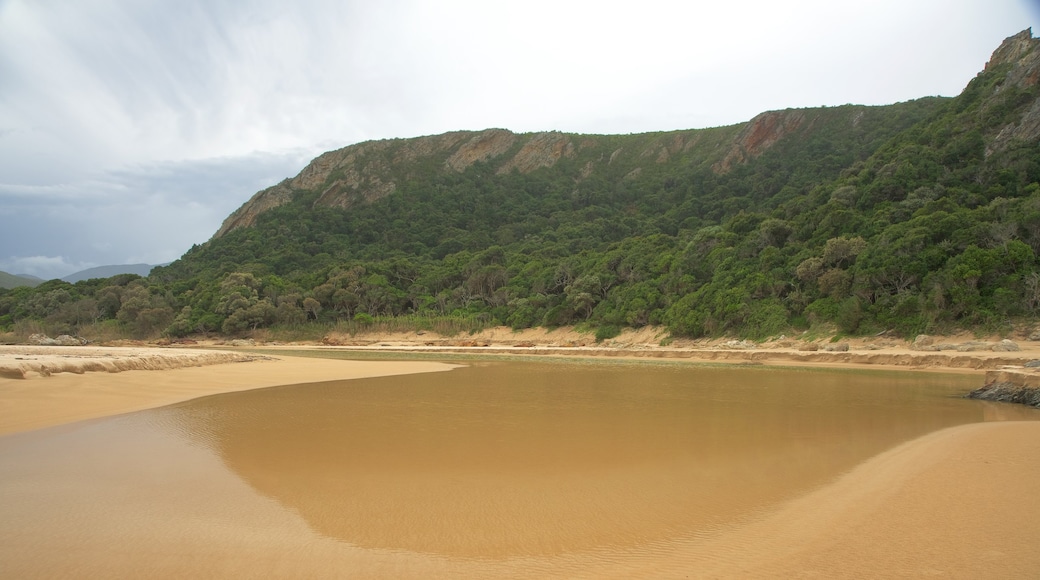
(526, 468)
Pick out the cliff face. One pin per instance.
(1020, 55)
(369, 171)
(261, 201)
(760, 134)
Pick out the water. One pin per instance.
(496, 468)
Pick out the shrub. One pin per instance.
(607, 332)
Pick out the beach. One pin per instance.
(66, 384)
(956, 503)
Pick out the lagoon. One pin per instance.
(499, 468)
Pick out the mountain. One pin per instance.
(365, 173)
(921, 216)
(14, 280)
(109, 271)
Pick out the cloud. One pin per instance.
(148, 213)
(130, 129)
(46, 267)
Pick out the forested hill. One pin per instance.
(918, 216)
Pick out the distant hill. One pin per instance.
(14, 281)
(109, 271)
(31, 277)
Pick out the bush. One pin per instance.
(607, 332)
(364, 319)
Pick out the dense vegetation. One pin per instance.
(912, 218)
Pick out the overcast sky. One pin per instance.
(129, 129)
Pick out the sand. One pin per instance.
(957, 503)
(66, 384)
(960, 353)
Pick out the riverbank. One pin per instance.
(954, 353)
(59, 385)
(42, 386)
(1011, 385)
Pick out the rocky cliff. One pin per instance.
(1019, 54)
(368, 171)
(372, 170)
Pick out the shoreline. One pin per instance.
(75, 386)
(892, 359)
(42, 386)
(957, 503)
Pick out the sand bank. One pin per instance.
(66, 384)
(29, 362)
(962, 353)
(957, 503)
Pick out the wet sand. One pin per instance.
(957, 503)
(88, 383)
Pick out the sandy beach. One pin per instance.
(957, 503)
(65, 384)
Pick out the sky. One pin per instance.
(129, 129)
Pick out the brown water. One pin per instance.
(498, 468)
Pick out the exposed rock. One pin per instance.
(481, 147)
(1020, 53)
(974, 346)
(61, 340)
(738, 345)
(1008, 392)
(1033, 364)
(809, 347)
(1006, 346)
(922, 342)
(1035, 335)
(761, 133)
(262, 201)
(1012, 51)
(412, 149)
(541, 150)
(663, 150)
(837, 347)
(41, 340)
(586, 171)
(352, 190)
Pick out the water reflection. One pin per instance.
(515, 459)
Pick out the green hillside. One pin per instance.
(915, 217)
(12, 281)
